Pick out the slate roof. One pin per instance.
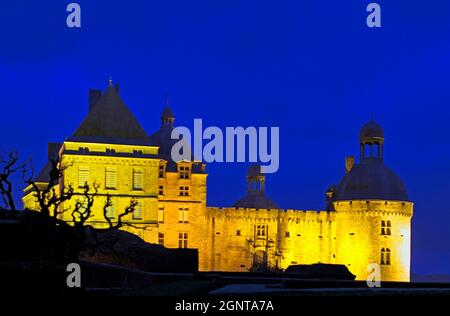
(110, 121)
(256, 199)
(371, 180)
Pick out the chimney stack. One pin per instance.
(94, 96)
(349, 162)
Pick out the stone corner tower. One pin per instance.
(373, 214)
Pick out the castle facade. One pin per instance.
(367, 218)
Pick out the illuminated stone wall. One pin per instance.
(360, 240)
(288, 237)
(97, 158)
(239, 239)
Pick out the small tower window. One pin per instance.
(161, 190)
(385, 256)
(261, 230)
(386, 228)
(162, 171)
(238, 233)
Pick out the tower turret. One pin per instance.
(373, 213)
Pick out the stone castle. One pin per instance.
(367, 218)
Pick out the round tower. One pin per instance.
(373, 214)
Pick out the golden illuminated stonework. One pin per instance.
(367, 218)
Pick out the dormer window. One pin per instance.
(184, 172)
(110, 151)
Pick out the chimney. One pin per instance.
(349, 162)
(94, 96)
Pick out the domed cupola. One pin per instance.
(370, 179)
(371, 139)
(256, 196)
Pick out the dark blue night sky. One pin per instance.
(311, 67)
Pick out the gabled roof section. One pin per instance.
(110, 120)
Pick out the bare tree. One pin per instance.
(48, 198)
(8, 167)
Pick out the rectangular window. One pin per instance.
(137, 213)
(110, 178)
(161, 239)
(162, 170)
(385, 256)
(184, 172)
(288, 235)
(161, 214)
(161, 190)
(261, 230)
(184, 191)
(111, 210)
(83, 176)
(183, 215)
(182, 240)
(138, 178)
(386, 228)
(238, 233)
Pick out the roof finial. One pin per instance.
(110, 80)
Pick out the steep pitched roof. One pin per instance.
(110, 120)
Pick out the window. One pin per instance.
(287, 235)
(137, 179)
(83, 176)
(137, 213)
(182, 240)
(386, 228)
(184, 191)
(183, 215)
(385, 256)
(161, 239)
(162, 170)
(261, 230)
(111, 210)
(184, 172)
(238, 233)
(110, 178)
(161, 214)
(110, 151)
(82, 204)
(161, 190)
